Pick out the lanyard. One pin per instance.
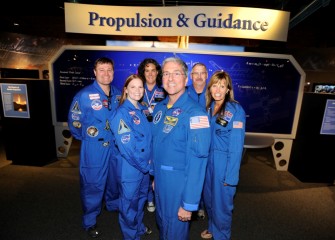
(149, 101)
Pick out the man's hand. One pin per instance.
(184, 215)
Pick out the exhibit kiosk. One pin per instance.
(268, 86)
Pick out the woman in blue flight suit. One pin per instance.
(150, 70)
(88, 121)
(222, 174)
(133, 139)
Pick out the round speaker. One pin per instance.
(278, 145)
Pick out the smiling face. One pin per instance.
(219, 90)
(104, 73)
(199, 76)
(150, 74)
(135, 90)
(174, 79)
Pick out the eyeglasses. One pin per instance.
(174, 74)
(199, 73)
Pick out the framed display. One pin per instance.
(15, 100)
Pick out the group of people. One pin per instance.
(160, 143)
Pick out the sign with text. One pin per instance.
(15, 100)
(207, 21)
(328, 122)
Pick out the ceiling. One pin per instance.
(311, 21)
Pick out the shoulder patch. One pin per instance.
(75, 108)
(198, 122)
(157, 117)
(170, 120)
(123, 128)
(237, 124)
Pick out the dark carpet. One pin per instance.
(43, 203)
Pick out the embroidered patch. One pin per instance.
(107, 127)
(157, 117)
(136, 119)
(76, 108)
(171, 120)
(146, 112)
(167, 128)
(105, 103)
(123, 128)
(96, 104)
(199, 122)
(237, 124)
(176, 112)
(76, 124)
(227, 116)
(75, 116)
(159, 94)
(94, 96)
(92, 131)
(125, 138)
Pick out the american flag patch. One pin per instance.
(237, 124)
(199, 122)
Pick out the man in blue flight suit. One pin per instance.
(181, 142)
(197, 89)
(88, 122)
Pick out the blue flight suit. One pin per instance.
(200, 98)
(134, 141)
(150, 99)
(181, 141)
(88, 121)
(223, 167)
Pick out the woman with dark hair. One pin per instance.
(222, 173)
(150, 70)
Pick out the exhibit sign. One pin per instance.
(15, 100)
(204, 21)
(328, 122)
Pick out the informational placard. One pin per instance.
(328, 122)
(15, 100)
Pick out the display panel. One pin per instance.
(15, 100)
(268, 86)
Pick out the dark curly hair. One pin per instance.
(141, 69)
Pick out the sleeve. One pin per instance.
(199, 139)
(236, 142)
(76, 116)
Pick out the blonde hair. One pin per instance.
(220, 76)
